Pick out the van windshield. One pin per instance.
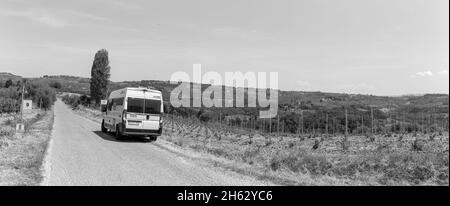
(148, 106)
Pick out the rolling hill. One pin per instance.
(408, 109)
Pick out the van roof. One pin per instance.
(123, 91)
(142, 89)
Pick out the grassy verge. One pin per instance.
(22, 154)
(92, 114)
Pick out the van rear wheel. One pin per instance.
(153, 138)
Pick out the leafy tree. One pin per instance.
(37, 90)
(100, 74)
(85, 100)
(8, 105)
(8, 83)
(41, 93)
(55, 84)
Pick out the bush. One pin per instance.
(8, 83)
(85, 100)
(301, 161)
(417, 145)
(7, 131)
(41, 93)
(204, 117)
(9, 105)
(249, 155)
(72, 100)
(55, 84)
(37, 90)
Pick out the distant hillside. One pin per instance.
(5, 76)
(287, 99)
(408, 108)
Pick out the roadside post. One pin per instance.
(20, 127)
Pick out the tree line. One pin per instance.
(41, 92)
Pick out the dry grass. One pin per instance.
(323, 160)
(92, 114)
(22, 154)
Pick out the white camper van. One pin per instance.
(133, 112)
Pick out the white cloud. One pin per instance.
(86, 15)
(423, 74)
(54, 19)
(49, 21)
(303, 83)
(121, 4)
(68, 48)
(38, 17)
(358, 88)
(444, 72)
(239, 33)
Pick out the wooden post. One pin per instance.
(302, 122)
(171, 117)
(346, 122)
(278, 124)
(270, 125)
(371, 116)
(362, 124)
(264, 125)
(404, 123)
(220, 120)
(21, 102)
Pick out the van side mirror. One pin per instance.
(103, 105)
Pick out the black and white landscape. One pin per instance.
(358, 90)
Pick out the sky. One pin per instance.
(380, 47)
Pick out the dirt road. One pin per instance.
(79, 154)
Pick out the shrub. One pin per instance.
(8, 122)
(249, 154)
(301, 161)
(314, 164)
(345, 143)
(41, 93)
(291, 145)
(72, 100)
(55, 84)
(417, 145)
(274, 164)
(7, 132)
(316, 144)
(216, 151)
(9, 105)
(8, 83)
(179, 142)
(204, 117)
(37, 90)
